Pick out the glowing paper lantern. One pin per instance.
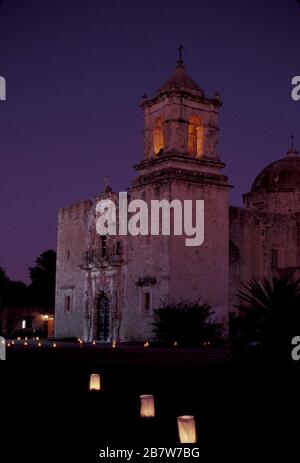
(25, 343)
(54, 344)
(39, 344)
(186, 429)
(147, 406)
(146, 344)
(94, 343)
(95, 384)
(114, 344)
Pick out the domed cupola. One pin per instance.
(277, 188)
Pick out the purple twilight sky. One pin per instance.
(75, 72)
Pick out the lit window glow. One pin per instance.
(195, 137)
(158, 137)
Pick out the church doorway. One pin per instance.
(103, 317)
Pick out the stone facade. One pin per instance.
(107, 287)
(265, 235)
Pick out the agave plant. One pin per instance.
(271, 307)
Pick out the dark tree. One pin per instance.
(12, 293)
(42, 286)
(4, 281)
(17, 294)
(3, 278)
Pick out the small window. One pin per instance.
(158, 137)
(103, 246)
(23, 324)
(118, 248)
(146, 301)
(195, 137)
(274, 258)
(67, 303)
(298, 233)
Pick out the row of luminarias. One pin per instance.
(81, 342)
(186, 423)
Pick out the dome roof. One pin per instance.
(282, 175)
(180, 80)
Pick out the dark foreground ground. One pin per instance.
(244, 411)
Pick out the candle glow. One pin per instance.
(147, 406)
(186, 429)
(95, 384)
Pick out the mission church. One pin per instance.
(108, 286)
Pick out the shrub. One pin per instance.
(187, 322)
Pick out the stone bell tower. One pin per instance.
(181, 119)
(181, 162)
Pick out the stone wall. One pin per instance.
(202, 272)
(71, 245)
(261, 244)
